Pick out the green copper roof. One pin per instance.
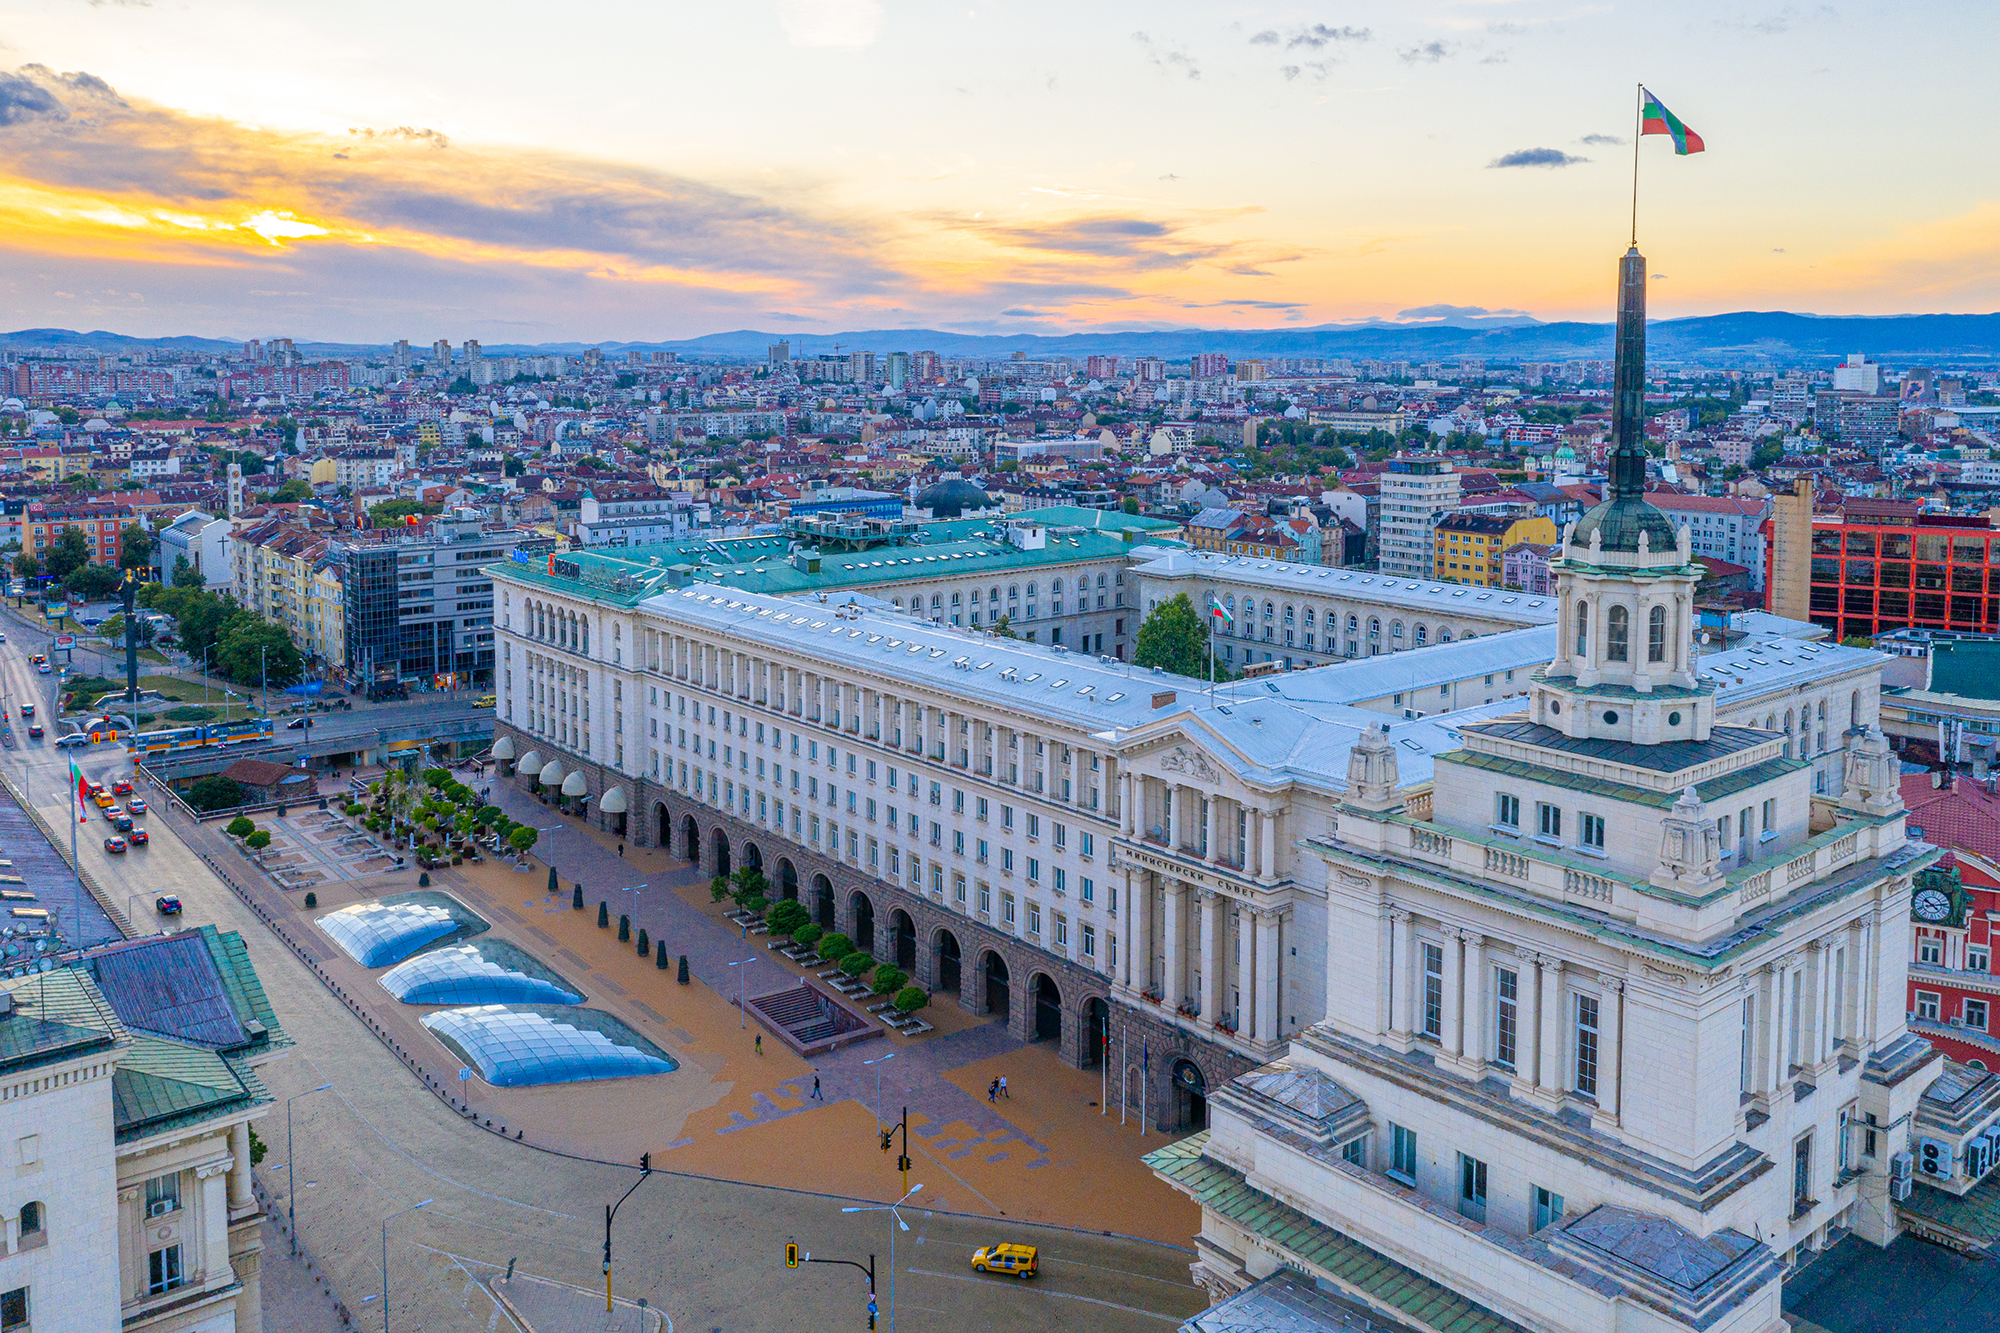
(1621, 520)
(624, 576)
(1367, 1272)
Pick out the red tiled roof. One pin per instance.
(1962, 816)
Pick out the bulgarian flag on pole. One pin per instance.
(1215, 609)
(1654, 118)
(82, 785)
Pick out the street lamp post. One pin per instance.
(743, 994)
(385, 1257)
(635, 890)
(878, 1062)
(292, 1175)
(901, 1225)
(554, 881)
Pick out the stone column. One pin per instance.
(1453, 1035)
(1212, 926)
(1267, 865)
(1826, 992)
(1138, 960)
(1269, 994)
(1207, 826)
(239, 1168)
(1528, 1021)
(1548, 1058)
(1173, 931)
(1476, 1041)
(1403, 974)
(1610, 1050)
(1127, 811)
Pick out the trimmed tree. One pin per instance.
(889, 979)
(1173, 637)
(856, 963)
(259, 840)
(835, 946)
(807, 935)
(240, 827)
(786, 917)
(910, 999)
(718, 889)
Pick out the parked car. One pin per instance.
(167, 905)
(137, 837)
(114, 844)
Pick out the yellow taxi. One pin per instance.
(1016, 1259)
(104, 799)
(485, 701)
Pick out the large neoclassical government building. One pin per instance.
(1096, 852)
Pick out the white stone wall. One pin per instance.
(56, 1148)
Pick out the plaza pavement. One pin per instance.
(707, 1251)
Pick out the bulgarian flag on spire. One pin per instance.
(82, 785)
(1654, 118)
(1215, 609)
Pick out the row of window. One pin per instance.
(1404, 1165)
(1505, 1035)
(1974, 1014)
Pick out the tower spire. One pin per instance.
(1628, 383)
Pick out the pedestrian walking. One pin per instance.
(1003, 1085)
(621, 851)
(992, 1089)
(760, 1043)
(817, 1096)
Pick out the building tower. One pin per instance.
(1615, 1028)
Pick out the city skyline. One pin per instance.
(819, 165)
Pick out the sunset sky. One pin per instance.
(526, 172)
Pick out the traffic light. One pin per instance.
(887, 1134)
(791, 1254)
(645, 1162)
(903, 1162)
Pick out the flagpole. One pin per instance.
(1638, 125)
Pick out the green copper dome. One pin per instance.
(1621, 519)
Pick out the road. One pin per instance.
(709, 1253)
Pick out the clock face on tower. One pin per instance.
(1931, 904)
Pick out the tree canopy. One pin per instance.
(67, 554)
(1173, 637)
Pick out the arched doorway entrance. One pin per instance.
(998, 998)
(947, 962)
(864, 922)
(903, 940)
(1096, 1022)
(663, 827)
(690, 840)
(718, 842)
(788, 878)
(1190, 1095)
(823, 901)
(752, 858)
(1048, 1008)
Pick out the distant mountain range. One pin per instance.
(1739, 337)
